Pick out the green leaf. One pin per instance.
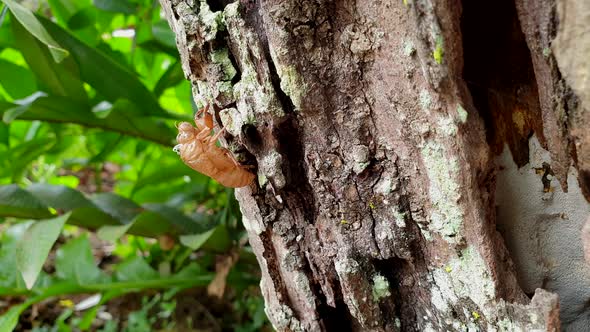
(112, 214)
(17, 81)
(35, 245)
(64, 110)
(196, 241)
(163, 174)
(6, 37)
(119, 207)
(32, 24)
(152, 220)
(151, 224)
(19, 203)
(65, 11)
(9, 319)
(113, 232)
(22, 155)
(61, 79)
(9, 276)
(104, 74)
(111, 141)
(135, 269)
(14, 112)
(83, 212)
(219, 241)
(163, 34)
(117, 6)
(3, 14)
(4, 134)
(180, 222)
(83, 18)
(172, 76)
(176, 193)
(32, 133)
(62, 10)
(157, 38)
(116, 55)
(74, 262)
(190, 271)
(90, 315)
(59, 197)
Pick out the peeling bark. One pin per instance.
(373, 127)
(573, 40)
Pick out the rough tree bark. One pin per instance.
(417, 160)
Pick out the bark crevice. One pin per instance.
(499, 73)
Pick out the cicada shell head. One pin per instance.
(186, 133)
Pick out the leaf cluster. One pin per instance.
(90, 91)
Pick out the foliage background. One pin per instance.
(103, 227)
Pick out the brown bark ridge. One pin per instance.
(373, 127)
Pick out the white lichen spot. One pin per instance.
(221, 57)
(429, 328)
(459, 326)
(292, 84)
(253, 96)
(232, 120)
(262, 179)
(425, 100)
(471, 327)
(462, 114)
(469, 278)
(254, 92)
(409, 49)
(303, 286)
(346, 266)
(380, 287)
(361, 44)
(384, 186)
(425, 232)
(400, 218)
(283, 318)
(359, 167)
(506, 325)
(225, 89)
(360, 155)
(447, 126)
(291, 81)
(232, 9)
(211, 22)
(386, 233)
(446, 217)
(270, 166)
(202, 92)
(252, 225)
(437, 299)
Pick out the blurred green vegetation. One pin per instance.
(95, 207)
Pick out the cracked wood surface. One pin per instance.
(374, 202)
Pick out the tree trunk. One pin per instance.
(421, 164)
